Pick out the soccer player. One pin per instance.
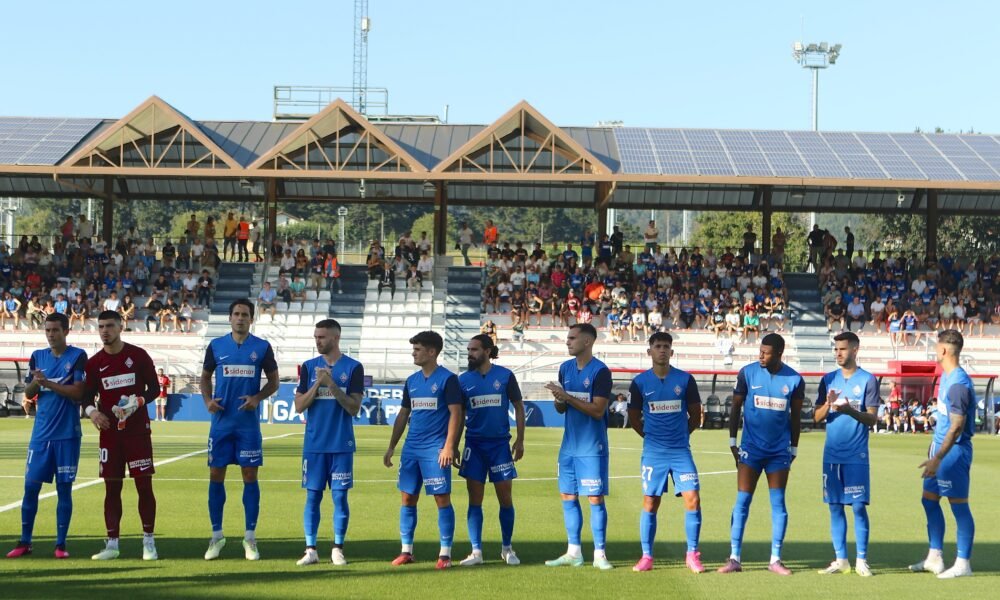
(489, 391)
(583, 394)
(124, 379)
(949, 459)
(237, 361)
(55, 374)
(664, 409)
(772, 393)
(432, 404)
(331, 387)
(848, 401)
(161, 399)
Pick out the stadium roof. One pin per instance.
(157, 152)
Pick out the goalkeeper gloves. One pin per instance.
(125, 407)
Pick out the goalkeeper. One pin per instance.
(123, 378)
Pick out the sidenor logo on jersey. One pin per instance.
(238, 371)
(485, 401)
(118, 381)
(423, 403)
(664, 406)
(769, 403)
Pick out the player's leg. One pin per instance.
(747, 473)
(437, 483)
(139, 458)
(505, 497)
(572, 515)
(931, 501)
(251, 511)
(474, 470)
(594, 479)
(687, 485)
(955, 468)
(314, 481)
(833, 496)
(341, 480)
(67, 461)
(777, 481)
(221, 453)
(112, 469)
(40, 467)
(653, 474)
(409, 484)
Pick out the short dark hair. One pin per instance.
(952, 337)
(774, 341)
(585, 328)
(428, 339)
(847, 336)
(241, 302)
(58, 318)
(329, 324)
(661, 336)
(108, 315)
(487, 343)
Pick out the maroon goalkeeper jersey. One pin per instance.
(112, 376)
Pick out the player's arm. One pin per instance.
(514, 394)
(869, 416)
(398, 426)
(600, 394)
(795, 415)
(735, 413)
(351, 399)
(559, 394)
(635, 409)
(91, 401)
(824, 400)
(453, 398)
(32, 381)
(270, 367)
(693, 405)
(959, 398)
(304, 397)
(205, 383)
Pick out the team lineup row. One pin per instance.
(438, 406)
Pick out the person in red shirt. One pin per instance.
(161, 399)
(123, 378)
(242, 237)
(490, 235)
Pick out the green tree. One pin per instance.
(719, 230)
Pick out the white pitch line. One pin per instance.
(93, 482)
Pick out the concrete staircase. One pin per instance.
(349, 308)
(811, 337)
(232, 281)
(462, 301)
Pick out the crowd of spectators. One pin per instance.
(635, 293)
(411, 263)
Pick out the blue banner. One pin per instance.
(380, 406)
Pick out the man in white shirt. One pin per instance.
(465, 241)
(426, 264)
(919, 285)
(650, 236)
(112, 303)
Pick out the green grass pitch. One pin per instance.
(898, 536)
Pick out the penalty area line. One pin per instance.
(167, 461)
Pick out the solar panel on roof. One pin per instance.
(40, 141)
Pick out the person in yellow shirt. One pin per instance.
(229, 237)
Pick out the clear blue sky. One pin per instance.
(721, 64)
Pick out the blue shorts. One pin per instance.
(487, 458)
(323, 469)
(680, 467)
(416, 470)
(55, 458)
(769, 463)
(952, 480)
(846, 484)
(240, 447)
(583, 475)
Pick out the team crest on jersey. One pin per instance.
(857, 390)
(434, 388)
(677, 390)
(128, 362)
(343, 378)
(784, 389)
(253, 356)
(68, 367)
(586, 382)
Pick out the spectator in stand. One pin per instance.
(617, 240)
(229, 237)
(751, 324)
(204, 289)
(535, 307)
(426, 265)
(917, 419)
(78, 312)
(894, 322)
(386, 276)
(11, 309)
(490, 235)
(35, 314)
(877, 309)
(835, 314)
(619, 411)
(267, 300)
(909, 326)
(849, 242)
(465, 241)
(815, 241)
(976, 315)
(127, 311)
(112, 303)
(856, 313)
(197, 253)
(210, 254)
(189, 286)
(169, 313)
(284, 291)
(615, 326)
(331, 272)
(749, 244)
(242, 239)
(193, 228)
(287, 262)
(298, 289)
(154, 306)
(778, 242)
(256, 241)
(301, 264)
(84, 229)
(489, 328)
(651, 236)
(317, 277)
(184, 319)
(61, 305)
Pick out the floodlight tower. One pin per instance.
(815, 57)
(362, 25)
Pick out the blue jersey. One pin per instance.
(429, 399)
(847, 438)
(956, 396)
(487, 401)
(664, 404)
(58, 417)
(238, 369)
(584, 435)
(766, 407)
(330, 428)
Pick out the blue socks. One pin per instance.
(738, 522)
(407, 524)
(506, 524)
(251, 504)
(779, 521)
(599, 524)
(935, 523)
(861, 529)
(647, 532)
(64, 511)
(29, 508)
(573, 518)
(838, 531)
(446, 525)
(474, 519)
(341, 516)
(311, 516)
(692, 527)
(966, 528)
(216, 502)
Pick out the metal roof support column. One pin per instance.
(766, 212)
(440, 218)
(932, 223)
(602, 198)
(108, 216)
(271, 212)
